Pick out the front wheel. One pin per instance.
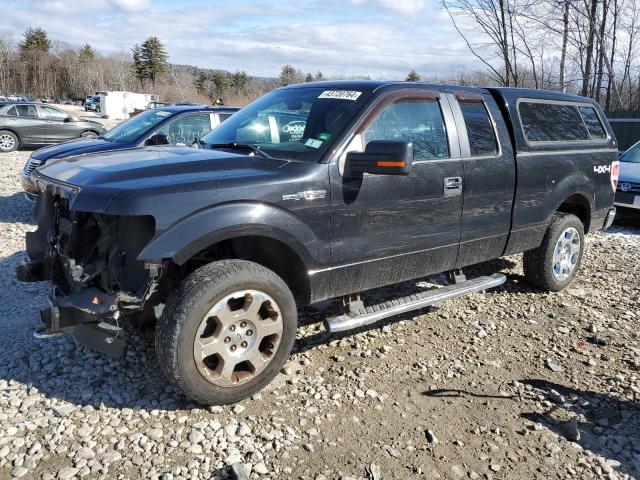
(9, 141)
(226, 332)
(88, 134)
(555, 262)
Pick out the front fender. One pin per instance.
(207, 227)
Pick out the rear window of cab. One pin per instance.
(560, 122)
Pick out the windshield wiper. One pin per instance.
(241, 146)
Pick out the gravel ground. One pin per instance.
(507, 384)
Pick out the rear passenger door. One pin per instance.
(57, 126)
(489, 176)
(25, 121)
(389, 228)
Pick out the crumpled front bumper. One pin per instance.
(90, 316)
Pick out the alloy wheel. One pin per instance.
(566, 254)
(237, 338)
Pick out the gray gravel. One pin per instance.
(512, 383)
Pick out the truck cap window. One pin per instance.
(552, 122)
(593, 123)
(419, 122)
(482, 137)
(292, 123)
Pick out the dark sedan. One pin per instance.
(171, 125)
(31, 124)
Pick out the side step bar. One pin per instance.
(372, 314)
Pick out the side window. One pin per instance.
(482, 137)
(27, 111)
(13, 111)
(419, 122)
(223, 116)
(552, 122)
(51, 113)
(592, 121)
(184, 130)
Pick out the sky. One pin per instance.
(379, 38)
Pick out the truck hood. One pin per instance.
(629, 172)
(155, 166)
(75, 147)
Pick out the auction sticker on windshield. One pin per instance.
(341, 94)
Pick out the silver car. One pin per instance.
(627, 198)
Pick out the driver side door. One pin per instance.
(390, 228)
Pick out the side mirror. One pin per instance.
(157, 139)
(68, 119)
(380, 157)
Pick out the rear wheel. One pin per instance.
(88, 134)
(226, 331)
(9, 141)
(555, 262)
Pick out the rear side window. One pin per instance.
(418, 122)
(27, 111)
(552, 122)
(482, 138)
(592, 121)
(12, 111)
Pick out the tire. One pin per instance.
(88, 134)
(9, 141)
(197, 316)
(554, 263)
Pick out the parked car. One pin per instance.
(386, 182)
(628, 193)
(168, 126)
(92, 104)
(31, 124)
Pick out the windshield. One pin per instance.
(632, 155)
(291, 124)
(133, 128)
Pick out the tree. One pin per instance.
(35, 39)
(201, 82)
(239, 81)
(138, 67)
(308, 78)
(154, 58)
(219, 85)
(319, 76)
(289, 75)
(413, 76)
(86, 53)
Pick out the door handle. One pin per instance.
(452, 186)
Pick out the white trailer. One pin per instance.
(118, 105)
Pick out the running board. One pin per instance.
(372, 314)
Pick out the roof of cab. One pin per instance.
(505, 92)
(187, 108)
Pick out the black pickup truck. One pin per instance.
(312, 192)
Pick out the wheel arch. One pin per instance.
(9, 129)
(577, 204)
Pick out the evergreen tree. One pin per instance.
(413, 76)
(308, 78)
(219, 85)
(138, 67)
(288, 75)
(86, 52)
(319, 76)
(153, 57)
(201, 82)
(35, 39)
(239, 82)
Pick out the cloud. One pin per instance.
(361, 41)
(131, 5)
(406, 7)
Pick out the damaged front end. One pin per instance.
(90, 260)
